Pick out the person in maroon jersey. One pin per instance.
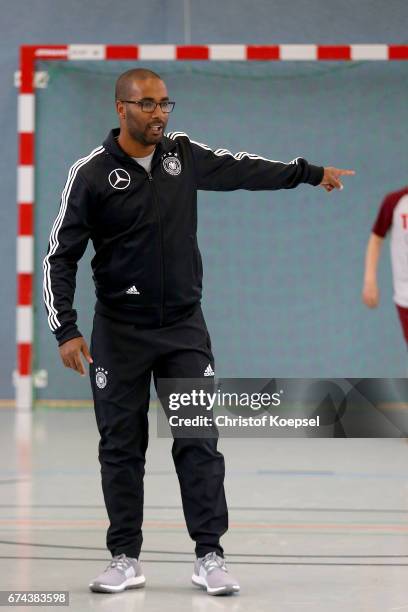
(392, 217)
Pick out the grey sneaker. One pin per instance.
(210, 573)
(122, 573)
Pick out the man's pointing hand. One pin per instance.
(71, 351)
(331, 178)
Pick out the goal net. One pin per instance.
(283, 269)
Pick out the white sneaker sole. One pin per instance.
(131, 583)
(224, 590)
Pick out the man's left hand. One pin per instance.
(331, 178)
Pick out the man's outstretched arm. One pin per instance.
(68, 240)
(221, 170)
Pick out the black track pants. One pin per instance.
(124, 358)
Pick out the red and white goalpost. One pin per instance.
(26, 138)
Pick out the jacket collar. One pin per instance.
(110, 143)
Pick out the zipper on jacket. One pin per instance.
(156, 203)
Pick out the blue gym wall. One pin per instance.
(178, 21)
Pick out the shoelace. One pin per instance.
(212, 561)
(120, 562)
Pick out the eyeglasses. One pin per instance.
(149, 106)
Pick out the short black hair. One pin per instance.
(124, 81)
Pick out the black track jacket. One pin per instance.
(147, 266)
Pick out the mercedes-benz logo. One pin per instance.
(119, 178)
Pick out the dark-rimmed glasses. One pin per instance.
(149, 106)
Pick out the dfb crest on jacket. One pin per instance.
(172, 165)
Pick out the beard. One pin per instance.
(146, 136)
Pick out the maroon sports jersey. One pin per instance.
(393, 217)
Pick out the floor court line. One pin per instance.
(182, 561)
(403, 528)
(231, 508)
(231, 474)
(230, 554)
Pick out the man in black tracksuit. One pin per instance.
(135, 197)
